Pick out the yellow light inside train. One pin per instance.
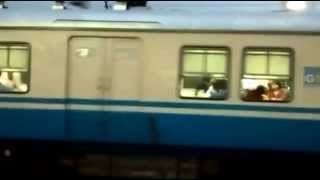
(296, 5)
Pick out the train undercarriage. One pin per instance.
(70, 159)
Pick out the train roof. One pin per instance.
(172, 15)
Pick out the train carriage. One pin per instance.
(80, 81)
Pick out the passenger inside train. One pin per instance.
(210, 87)
(274, 91)
(14, 84)
(217, 89)
(6, 85)
(204, 85)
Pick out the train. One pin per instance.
(125, 82)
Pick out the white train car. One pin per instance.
(129, 78)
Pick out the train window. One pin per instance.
(204, 73)
(267, 75)
(14, 68)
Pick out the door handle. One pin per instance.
(100, 87)
(108, 84)
(104, 84)
(100, 83)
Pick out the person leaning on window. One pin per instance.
(4, 88)
(6, 85)
(257, 94)
(217, 89)
(276, 92)
(204, 85)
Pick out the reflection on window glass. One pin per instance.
(14, 68)
(267, 75)
(204, 73)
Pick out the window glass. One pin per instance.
(216, 63)
(204, 74)
(279, 65)
(267, 76)
(18, 57)
(14, 68)
(193, 63)
(256, 64)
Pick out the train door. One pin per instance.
(125, 68)
(86, 68)
(100, 69)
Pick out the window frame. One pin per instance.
(7, 44)
(199, 47)
(291, 56)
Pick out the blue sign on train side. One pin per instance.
(312, 76)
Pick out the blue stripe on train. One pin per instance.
(173, 129)
(160, 104)
(34, 124)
